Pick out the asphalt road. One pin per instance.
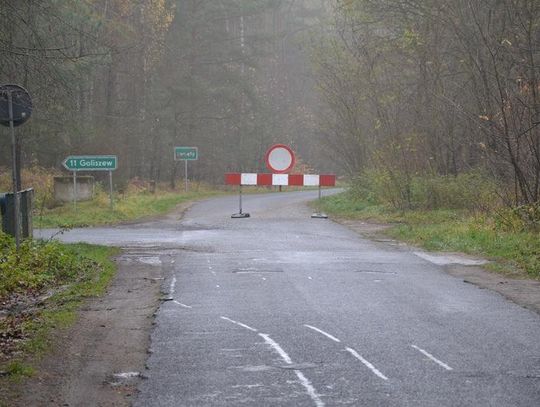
(283, 310)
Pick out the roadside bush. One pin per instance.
(36, 265)
(39, 178)
(472, 190)
(520, 218)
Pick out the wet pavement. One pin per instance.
(283, 310)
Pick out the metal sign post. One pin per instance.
(75, 191)
(111, 190)
(16, 202)
(15, 109)
(185, 176)
(240, 214)
(320, 215)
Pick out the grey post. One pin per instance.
(240, 214)
(111, 190)
(75, 190)
(320, 215)
(16, 215)
(185, 176)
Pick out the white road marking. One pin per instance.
(274, 345)
(182, 305)
(310, 278)
(310, 389)
(239, 324)
(433, 358)
(126, 375)
(366, 363)
(303, 379)
(322, 332)
(173, 286)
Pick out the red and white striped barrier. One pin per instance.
(297, 180)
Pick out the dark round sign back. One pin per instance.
(22, 104)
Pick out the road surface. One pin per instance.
(283, 310)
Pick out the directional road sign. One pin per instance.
(186, 153)
(91, 163)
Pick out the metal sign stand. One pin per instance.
(75, 191)
(185, 177)
(17, 220)
(240, 214)
(111, 190)
(320, 215)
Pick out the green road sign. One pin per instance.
(90, 163)
(186, 153)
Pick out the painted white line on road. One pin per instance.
(274, 345)
(433, 358)
(303, 379)
(173, 286)
(309, 388)
(366, 363)
(182, 305)
(239, 324)
(322, 332)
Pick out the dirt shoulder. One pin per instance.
(100, 359)
(524, 292)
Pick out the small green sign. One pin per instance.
(186, 153)
(91, 163)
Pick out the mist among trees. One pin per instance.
(434, 87)
(391, 91)
(136, 78)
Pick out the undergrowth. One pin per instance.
(460, 221)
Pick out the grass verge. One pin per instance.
(127, 208)
(515, 253)
(34, 305)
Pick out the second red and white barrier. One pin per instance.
(300, 180)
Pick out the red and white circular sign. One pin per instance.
(280, 159)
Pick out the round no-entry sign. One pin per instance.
(280, 159)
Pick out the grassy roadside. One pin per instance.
(41, 290)
(514, 252)
(129, 207)
(43, 285)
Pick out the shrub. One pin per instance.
(472, 190)
(36, 265)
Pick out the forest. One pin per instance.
(432, 88)
(408, 98)
(137, 78)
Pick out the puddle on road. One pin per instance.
(154, 261)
